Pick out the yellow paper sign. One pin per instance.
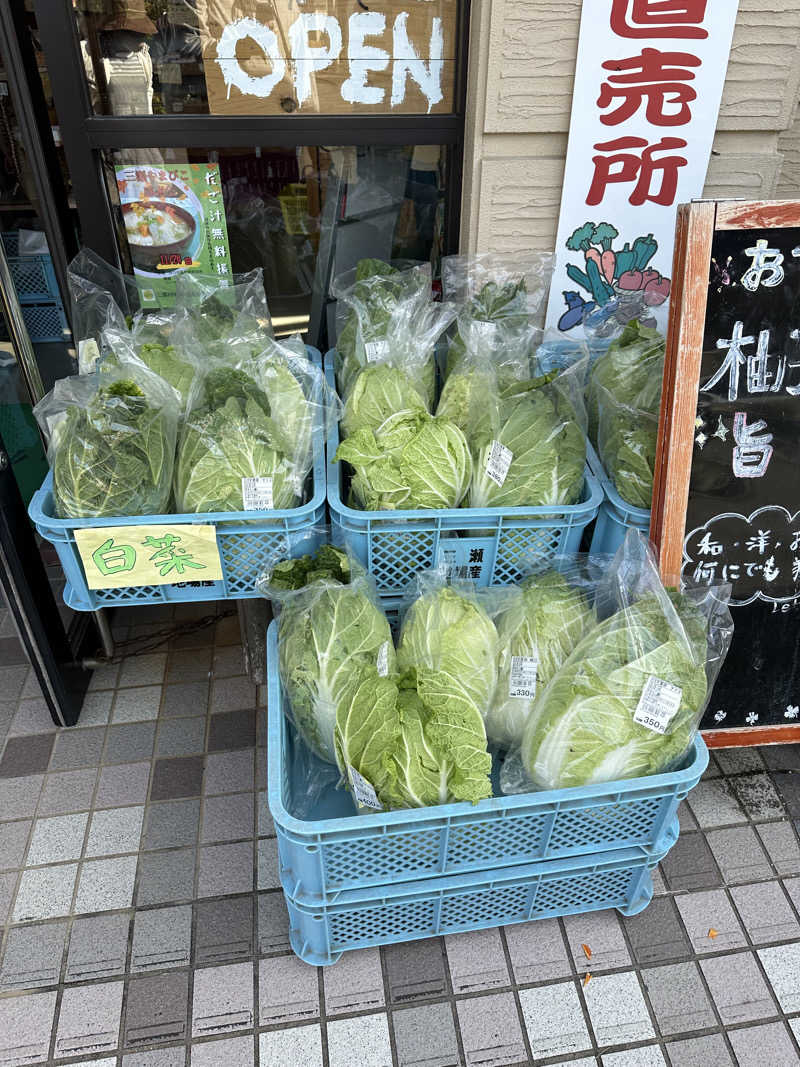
(117, 557)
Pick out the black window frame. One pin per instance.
(85, 134)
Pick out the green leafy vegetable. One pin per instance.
(505, 306)
(627, 441)
(328, 562)
(543, 619)
(379, 392)
(168, 363)
(583, 729)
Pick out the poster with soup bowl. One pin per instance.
(174, 222)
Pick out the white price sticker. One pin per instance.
(486, 331)
(657, 704)
(376, 350)
(498, 462)
(363, 791)
(88, 355)
(383, 659)
(522, 678)
(257, 494)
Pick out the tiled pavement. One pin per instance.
(144, 927)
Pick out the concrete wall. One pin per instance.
(521, 66)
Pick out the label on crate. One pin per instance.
(498, 462)
(363, 791)
(657, 704)
(122, 557)
(376, 350)
(383, 660)
(522, 677)
(257, 494)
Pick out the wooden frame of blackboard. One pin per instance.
(696, 225)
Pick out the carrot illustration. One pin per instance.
(604, 234)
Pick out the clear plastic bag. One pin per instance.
(158, 340)
(492, 286)
(627, 438)
(508, 344)
(111, 442)
(247, 438)
(527, 438)
(221, 313)
(102, 298)
(629, 699)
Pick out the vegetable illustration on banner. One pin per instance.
(654, 75)
(174, 221)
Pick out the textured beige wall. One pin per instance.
(522, 61)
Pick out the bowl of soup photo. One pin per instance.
(157, 231)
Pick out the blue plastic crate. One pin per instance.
(487, 545)
(333, 851)
(33, 276)
(614, 517)
(246, 540)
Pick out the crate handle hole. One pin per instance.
(311, 848)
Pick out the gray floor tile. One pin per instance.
(165, 877)
(780, 841)
(162, 938)
(602, 933)
(173, 778)
(115, 830)
(229, 662)
(415, 970)
(739, 854)
(172, 823)
(739, 760)
(104, 677)
(228, 631)
(554, 1020)
(713, 804)
(792, 887)
(230, 1052)
(223, 999)
(233, 729)
(617, 1009)
(135, 705)
(273, 924)
(88, 1021)
(143, 670)
(425, 1036)
(678, 998)
(710, 911)
(13, 842)
(227, 818)
(182, 668)
(537, 951)
(97, 947)
(362, 1041)
(232, 695)
(57, 839)
(788, 785)
(19, 796)
(782, 964)
(8, 882)
(25, 1025)
(186, 699)
(656, 934)
(708, 1051)
(31, 717)
(758, 1045)
(225, 869)
(224, 930)
(181, 737)
(300, 1044)
(765, 912)
(157, 1008)
(77, 748)
(356, 985)
(266, 824)
(288, 990)
(45, 892)
(229, 772)
(123, 785)
(739, 991)
(781, 757)
(13, 681)
(96, 710)
(491, 1031)
(106, 885)
(644, 1056)
(758, 796)
(33, 956)
(268, 867)
(129, 741)
(690, 865)
(26, 755)
(477, 961)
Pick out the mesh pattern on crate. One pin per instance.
(583, 827)
(396, 557)
(501, 904)
(379, 923)
(245, 556)
(599, 890)
(377, 859)
(499, 841)
(43, 322)
(129, 595)
(513, 546)
(30, 278)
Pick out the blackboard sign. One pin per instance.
(728, 477)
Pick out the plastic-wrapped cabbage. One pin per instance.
(249, 431)
(631, 370)
(111, 441)
(628, 700)
(496, 320)
(152, 341)
(538, 624)
(627, 439)
(378, 393)
(411, 461)
(221, 313)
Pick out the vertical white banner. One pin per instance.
(648, 84)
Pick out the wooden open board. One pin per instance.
(726, 501)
